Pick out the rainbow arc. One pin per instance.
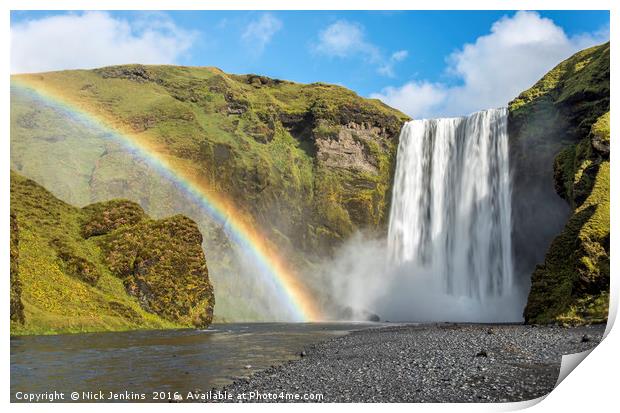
(240, 228)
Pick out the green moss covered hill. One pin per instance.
(316, 154)
(107, 266)
(560, 146)
(310, 163)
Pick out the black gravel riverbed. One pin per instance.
(423, 363)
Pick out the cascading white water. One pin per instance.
(450, 211)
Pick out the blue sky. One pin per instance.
(426, 63)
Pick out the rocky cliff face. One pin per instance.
(560, 159)
(309, 164)
(107, 266)
(17, 307)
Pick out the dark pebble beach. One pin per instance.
(422, 363)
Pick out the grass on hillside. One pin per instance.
(66, 285)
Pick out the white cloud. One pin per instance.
(387, 68)
(259, 32)
(345, 39)
(494, 69)
(399, 55)
(415, 98)
(94, 39)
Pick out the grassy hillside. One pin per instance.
(563, 120)
(104, 267)
(310, 164)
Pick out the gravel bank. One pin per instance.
(427, 363)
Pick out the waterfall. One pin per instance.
(450, 212)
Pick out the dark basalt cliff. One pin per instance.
(107, 266)
(559, 133)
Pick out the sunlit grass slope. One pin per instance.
(105, 267)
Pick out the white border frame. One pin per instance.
(590, 387)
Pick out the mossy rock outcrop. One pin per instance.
(107, 266)
(17, 307)
(559, 131)
(162, 264)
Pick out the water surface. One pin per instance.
(161, 360)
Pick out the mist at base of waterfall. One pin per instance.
(361, 278)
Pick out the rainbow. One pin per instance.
(300, 304)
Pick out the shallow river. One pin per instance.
(158, 361)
